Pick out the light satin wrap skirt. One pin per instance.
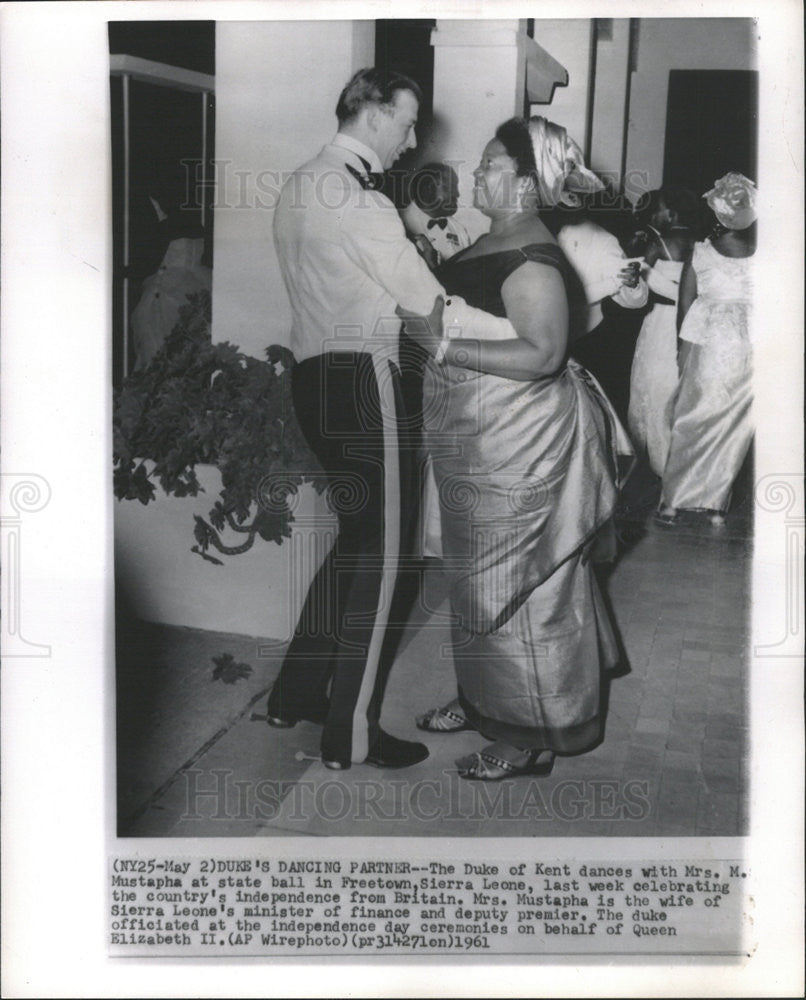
(527, 478)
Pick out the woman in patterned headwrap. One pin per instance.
(711, 423)
(524, 445)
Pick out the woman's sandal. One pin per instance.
(666, 515)
(443, 720)
(499, 760)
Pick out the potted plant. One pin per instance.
(205, 403)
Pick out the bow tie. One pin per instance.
(442, 223)
(369, 181)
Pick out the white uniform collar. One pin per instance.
(358, 147)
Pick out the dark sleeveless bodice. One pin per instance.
(479, 279)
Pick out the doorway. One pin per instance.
(711, 126)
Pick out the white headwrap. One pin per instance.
(561, 172)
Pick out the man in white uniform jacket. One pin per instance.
(347, 264)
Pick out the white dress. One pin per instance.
(165, 294)
(654, 369)
(712, 425)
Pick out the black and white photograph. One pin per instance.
(403, 505)
(343, 541)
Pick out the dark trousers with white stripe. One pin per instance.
(365, 437)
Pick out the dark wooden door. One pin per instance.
(711, 126)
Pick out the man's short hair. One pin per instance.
(372, 86)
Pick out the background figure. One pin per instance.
(614, 291)
(429, 214)
(712, 428)
(181, 273)
(669, 241)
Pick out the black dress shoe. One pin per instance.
(337, 765)
(389, 751)
(279, 723)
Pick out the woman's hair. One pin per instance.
(645, 206)
(514, 136)
(684, 202)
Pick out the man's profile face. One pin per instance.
(395, 128)
(447, 194)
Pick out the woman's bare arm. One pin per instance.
(536, 305)
(688, 292)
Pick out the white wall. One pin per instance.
(569, 41)
(609, 101)
(277, 83)
(676, 43)
(259, 592)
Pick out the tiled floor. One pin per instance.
(194, 762)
